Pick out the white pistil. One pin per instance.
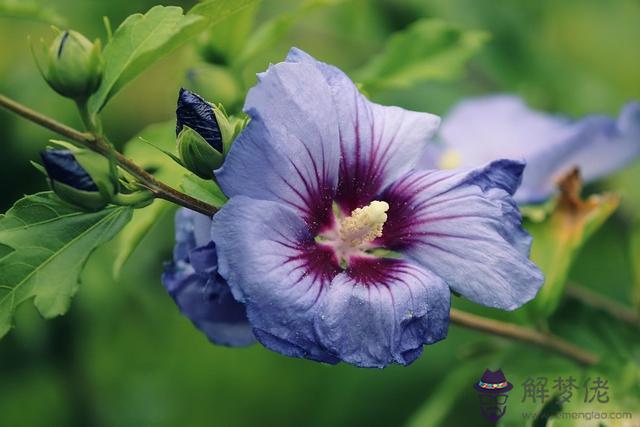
(364, 224)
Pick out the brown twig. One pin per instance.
(98, 144)
(519, 333)
(613, 308)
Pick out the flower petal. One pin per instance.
(601, 145)
(484, 129)
(273, 265)
(465, 227)
(289, 152)
(200, 293)
(309, 123)
(496, 127)
(185, 234)
(382, 311)
(301, 304)
(377, 143)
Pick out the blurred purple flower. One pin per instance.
(337, 247)
(193, 281)
(479, 130)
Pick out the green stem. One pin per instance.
(615, 309)
(92, 122)
(87, 120)
(138, 199)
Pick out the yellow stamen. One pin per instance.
(364, 224)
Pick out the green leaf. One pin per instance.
(51, 242)
(218, 10)
(139, 42)
(558, 238)
(427, 50)
(203, 189)
(269, 33)
(169, 153)
(5, 250)
(625, 182)
(151, 156)
(635, 261)
(29, 9)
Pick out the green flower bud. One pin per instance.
(234, 126)
(196, 153)
(74, 65)
(80, 177)
(230, 127)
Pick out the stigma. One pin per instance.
(364, 224)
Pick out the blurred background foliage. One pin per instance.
(124, 356)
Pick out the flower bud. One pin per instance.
(82, 178)
(74, 67)
(205, 134)
(196, 153)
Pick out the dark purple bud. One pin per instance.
(196, 113)
(62, 166)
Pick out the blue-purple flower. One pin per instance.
(337, 247)
(193, 281)
(502, 126)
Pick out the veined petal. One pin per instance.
(274, 266)
(382, 311)
(484, 129)
(302, 304)
(465, 227)
(289, 152)
(377, 143)
(309, 124)
(201, 294)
